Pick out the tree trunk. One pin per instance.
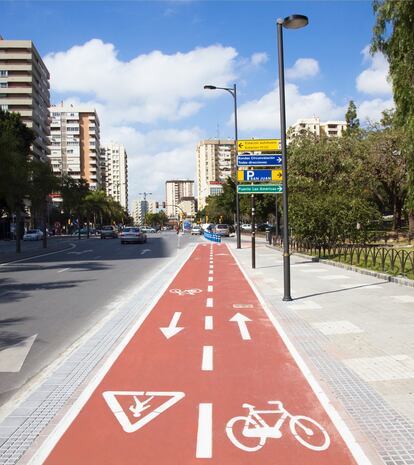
(410, 226)
(17, 230)
(44, 225)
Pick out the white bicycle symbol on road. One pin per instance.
(303, 428)
(186, 291)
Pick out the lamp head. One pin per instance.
(295, 21)
(210, 87)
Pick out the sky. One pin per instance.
(143, 65)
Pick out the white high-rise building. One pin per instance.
(75, 143)
(216, 161)
(314, 126)
(175, 190)
(115, 172)
(139, 210)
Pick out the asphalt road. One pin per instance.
(60, 296)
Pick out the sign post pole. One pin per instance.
(253, 231)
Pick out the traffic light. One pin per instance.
(157, 205)
(163, 205)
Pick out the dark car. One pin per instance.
(109, 232)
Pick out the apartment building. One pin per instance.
(216, 161)
(75, 143)
(314, 126)
(114, 172)
(175, 190)
(24, 89)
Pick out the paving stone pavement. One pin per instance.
(356, 333)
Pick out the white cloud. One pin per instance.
(148, 87)
(264, 112)
(259, 58)
(303, 68)
(372, 109)
(373, 81)
(156, 156)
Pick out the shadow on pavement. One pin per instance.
(341, 290)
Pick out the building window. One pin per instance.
(4, 84)
(3, 73)
(4, 107)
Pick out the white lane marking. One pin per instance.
(211, 267)
(406, 299)
(145, 251)
(64, 269)
(82, 252)
(207, 361)
(209, 302)
(204, 448)
(211, 272)
(337, 327)
(241, 320)
(12, 358)
(210, 289)
(172, 329)
(339, 423)
(72, 246)
(210, 279)
(208, 322)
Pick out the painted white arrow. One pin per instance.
(145, 251)
(12, 358)
(241, 321)
(79, 253)
(172, 329)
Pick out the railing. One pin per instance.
(388, 259)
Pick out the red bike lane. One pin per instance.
(205, 378)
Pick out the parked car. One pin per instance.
(246, 227)
(196, 230)
(132, 234)
(147, 229)
(33, 235)
(222, 230)
(84, 232)
(109, 232)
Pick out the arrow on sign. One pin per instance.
(172, 329)
(241, 321)
(12, 358)
(145, 251)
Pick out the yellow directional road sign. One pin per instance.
(258, 145)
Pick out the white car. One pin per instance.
(33, 235)
(246, 227)
(196, 230)
(132, 234)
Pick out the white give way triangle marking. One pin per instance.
(134, 409)
(13, 357)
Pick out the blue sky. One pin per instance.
(143, 65)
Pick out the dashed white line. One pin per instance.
(211, 267)
(210, 289)
(210, 279)
(207, 361)
(64, 269)
(211, 272)
(208, 322)
(209, 302)
(205, 432)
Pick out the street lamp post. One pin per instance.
(291, 22)
(233, 92)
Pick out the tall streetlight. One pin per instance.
(233, 92)
(291, 22)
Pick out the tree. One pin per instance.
(393, 36)
(351, 120)
(42, 182)
(15, 141)
(74, 192)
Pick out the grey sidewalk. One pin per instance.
(356, 333)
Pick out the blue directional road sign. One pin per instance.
(259, 160)
(259, 175)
